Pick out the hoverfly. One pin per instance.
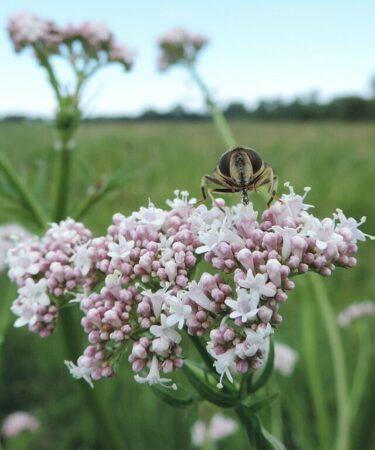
(240, 170)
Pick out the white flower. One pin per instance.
(324, 233)
(35, 292)
(287, 234)
(152, 216)
(245, 307)
(64, 234)
(244, 212)
(79, 371)
(165, 335)
(294, 203)
(31, 296)
(81, 259)
(120, 251)
(196, 293)
(165, 248)
(218, 428)
(21, 261)
(218, 232)
(224, 362)
(352, 225)
(158, 299)
(258, 285)
(27, 312)
(181, 200)
(179, 311)
(202, 217)
(10, 235)
(153, 376)
(255, 340)
(285, 359)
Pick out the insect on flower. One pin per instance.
(240, 170)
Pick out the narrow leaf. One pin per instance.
(205, 384)
(255, 407)
(170, 399)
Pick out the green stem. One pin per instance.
(218, 117)
(91, 200)
(362, 369)
(63, 182)
(51, 75)
(275, 413)
(207, 358)
(27, 199)
(253, 430)
(313, 370)
(337, 351)
(105, 425)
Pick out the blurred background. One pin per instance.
(297, 83)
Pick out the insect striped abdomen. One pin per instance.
(241, 169)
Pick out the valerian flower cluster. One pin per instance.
(142, 286)
(46, 38)
(179, 45)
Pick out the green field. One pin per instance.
(336, 159)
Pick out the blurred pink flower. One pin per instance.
(18, 422)
(218, 428)
(356, 311)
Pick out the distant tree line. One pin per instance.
(346, 108)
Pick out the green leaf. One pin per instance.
(259, 437)
(260, 404)
(205, 383)
(266, 372)
(171, 399)
(275, 443)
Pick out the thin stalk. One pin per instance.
(51, 74)
(337, 351)
(107, 430)
(313, 371)
(91, 200)
(362, 369)
(276, 420)
(207, 358)
(218, 117)
(252, 426)
(63, 182)
(27, 199)
(241, 414)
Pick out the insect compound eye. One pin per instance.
(255, 159)
(224, 163)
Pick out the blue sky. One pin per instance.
(258, 50)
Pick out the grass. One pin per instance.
(335, 159)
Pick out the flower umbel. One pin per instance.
(136, 285)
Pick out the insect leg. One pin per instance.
(203, 190)
(271, 180)
(204, 180)
(268, 177)
(213, 199)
